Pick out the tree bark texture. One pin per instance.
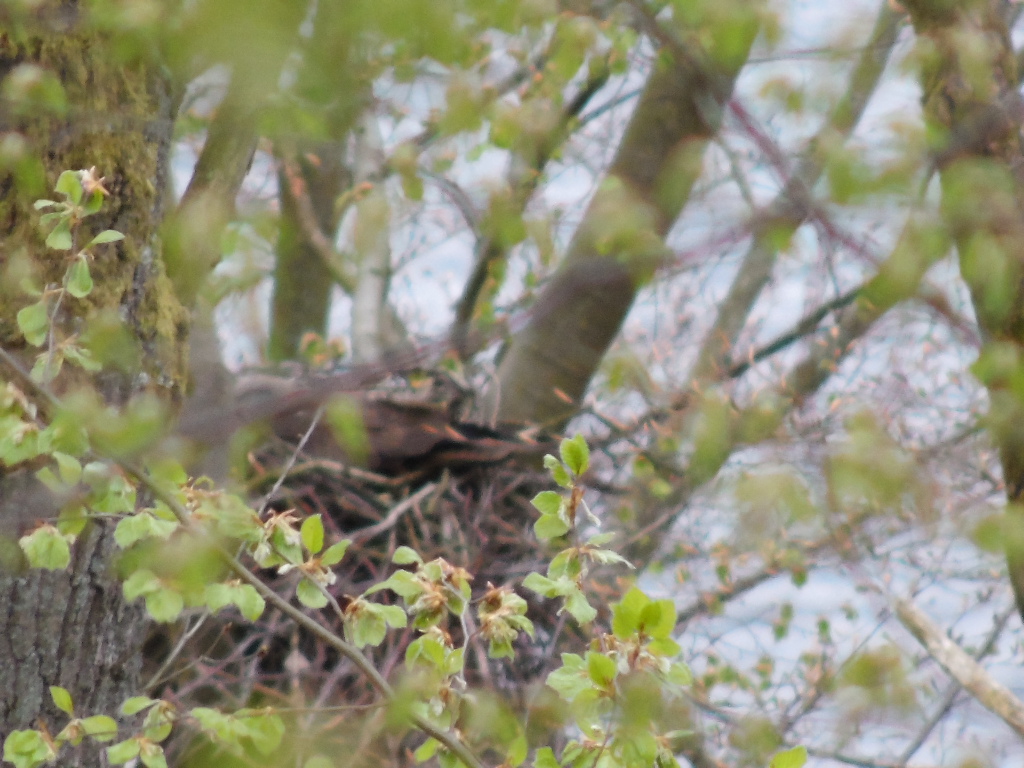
(73, 628)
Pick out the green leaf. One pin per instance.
(579, 608)
(79, 280)
(123, 751)
(313, 534)
(34, 322)
(542, 585)
(607, 557)
(545, 758)
(245, 596)
(93, 204)
(100, 727)
(626, 613)
(571, 679)
(367, 629)
(393, 615)
(558, 471)
(406, 556)
(427, 750)
(142, 526)
(62, 699)
(318, 761)
(791, 758)
(47, 367)
(106, 236)
(164, 605)
(310, 595)
(29, 287)
(40, 204)
(137, 704)
(142, 582)
(518, 749)
(46, 547)
(152, 756)
(412, 186)
(334, 553)
(70, 184)
(550, 527)
(157, 725)
(658, 619)
(69, 467)
(250, 602)
(264, 728)
(60, 238)
(575, 454)
(217, 596)
(601, 669)
(547, 502)
(679, 674)
(664, 647)
(402, 583)
(28, 749)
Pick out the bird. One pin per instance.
(389, 432)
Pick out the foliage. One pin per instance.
(810, 414)
(617, 691)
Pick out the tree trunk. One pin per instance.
(970, 97)
(73, 628)
(620, 241)
(302, 281)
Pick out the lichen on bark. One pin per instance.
(116, 117)
(74, 628)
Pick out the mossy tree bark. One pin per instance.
(73, 628)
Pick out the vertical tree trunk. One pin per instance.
(302, 282)
(969, 82)
(73, 628)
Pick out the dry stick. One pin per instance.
(992, 695)
(291, 461)
(187, 635)
(160, 492)
(393, 514)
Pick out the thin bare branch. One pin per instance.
(991, 694)
(948, 698)
(793, 203)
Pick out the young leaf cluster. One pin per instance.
(619, 692)
(82, 194)
(560, 515)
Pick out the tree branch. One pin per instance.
(791, 206)
(992, 695)
(161, 493)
